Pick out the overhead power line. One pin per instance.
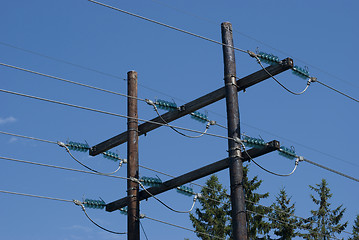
(331, 170)
(252, 38)
(167, 26)
(112, 114)
(36, 196)
(344, 94)
(68, 81)
(59, 167)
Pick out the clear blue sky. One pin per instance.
(321, 124)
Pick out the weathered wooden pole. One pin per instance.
(234, 148)
(133, 213)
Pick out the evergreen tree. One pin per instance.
(355, 231)
(215, 218)
(256, 223)
(324, 221)
(282, 211)
(212, 218)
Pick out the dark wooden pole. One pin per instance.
(235, 159)
(133, 213)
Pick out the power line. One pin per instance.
(82, 67)
(110, 113)
(31, 138)
(344, 94)
(252, 38)
(177, 226)
(154, 90)
(331, 170)
(168, 26)
(36, 196)
(68, 81)
(59, 167)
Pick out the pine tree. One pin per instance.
(355, 231)
(256, 223)
(282, 211)
(213, 217)
(324, 223)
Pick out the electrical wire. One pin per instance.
(35, 196)
(109, 113)
(82, 67)
(61, 144)
(185, 135)
(69, 81)
(177, 226)
(59, 167)
(346, 95)
(143, 229)
(164, 204)
(78, 203)
(275, 79)
(331, 170)
(252, 38)
(277, 174)
(294, 225)
(32, 138)
(166, 25)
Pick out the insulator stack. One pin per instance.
(123, 210)
(268, 58)
(150, 181)
(186, 190)
(301, 72)
(81, 147)
(287, 152)
(166, 105)
(97, 204)
(253, 142)
(199, 117)
(111, 155)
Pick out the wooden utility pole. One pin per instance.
(234, 148)
(133, 212)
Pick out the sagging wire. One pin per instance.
(164, 204)
(151, 103)
(81, 204)
(277, 174)
(61, 144)
(310, 80)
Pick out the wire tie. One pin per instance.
(252, 54)
(212, 122)
(142, 215)
(61, 144)
(149, 102)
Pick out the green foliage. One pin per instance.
(324, 222)
(212, 218)
(282, 212)
(355, 231)
(256, 223)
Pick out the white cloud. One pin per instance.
(13, 139)
(7, 120)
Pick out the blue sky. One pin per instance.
(320, 124)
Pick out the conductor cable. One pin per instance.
(164, 204)
(61, 144)
(149, 102)
(79, 203)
